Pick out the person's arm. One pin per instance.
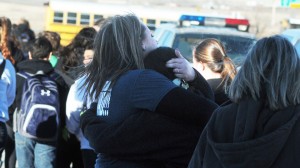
(179, 105)
(151, 89)
(199, 84)
(141, 136)
(8, 89)
(3, 99)
(73, 107)
(11, 80)
(186, 106)
(149, 135)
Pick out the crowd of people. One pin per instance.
(113, 98)
(25, 54)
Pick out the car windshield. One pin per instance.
(297, 46)
(290, 38)
(236, 46)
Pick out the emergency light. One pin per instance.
(239, 24)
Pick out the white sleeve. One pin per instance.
(73, 108)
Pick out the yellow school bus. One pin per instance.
(68, 17)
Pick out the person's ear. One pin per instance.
(29, 55)
(48, 58)
(202, 65)
(143, 47)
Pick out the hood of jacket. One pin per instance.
(255, 135)
(33, 66)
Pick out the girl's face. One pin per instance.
(88, 56)
(148, 42)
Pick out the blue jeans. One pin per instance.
(31, 153)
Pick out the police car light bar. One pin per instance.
(237, 21)
(240, 24)
(192, 18)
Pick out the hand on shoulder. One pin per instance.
(182, 67)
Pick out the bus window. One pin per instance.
(71, 18)
(164, 21)
(58, 17)
(85, 19)
(295, 26)
(97, 17)
(151, 24)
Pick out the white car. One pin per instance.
(236, 43)
(293, 35)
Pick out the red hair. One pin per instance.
(5, 24)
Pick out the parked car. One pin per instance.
(236, 43)
(293, 35)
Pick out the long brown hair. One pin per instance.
(117, 49)
(5, 47)
(212, 52)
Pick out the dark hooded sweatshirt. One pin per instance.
(249, 135)
(153, 140)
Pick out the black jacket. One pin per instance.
(250, 135)
(219, 90)
(166, 138)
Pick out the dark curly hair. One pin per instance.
(72, 54)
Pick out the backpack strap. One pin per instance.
(54, 75)
(23, 74)
(2, 67)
